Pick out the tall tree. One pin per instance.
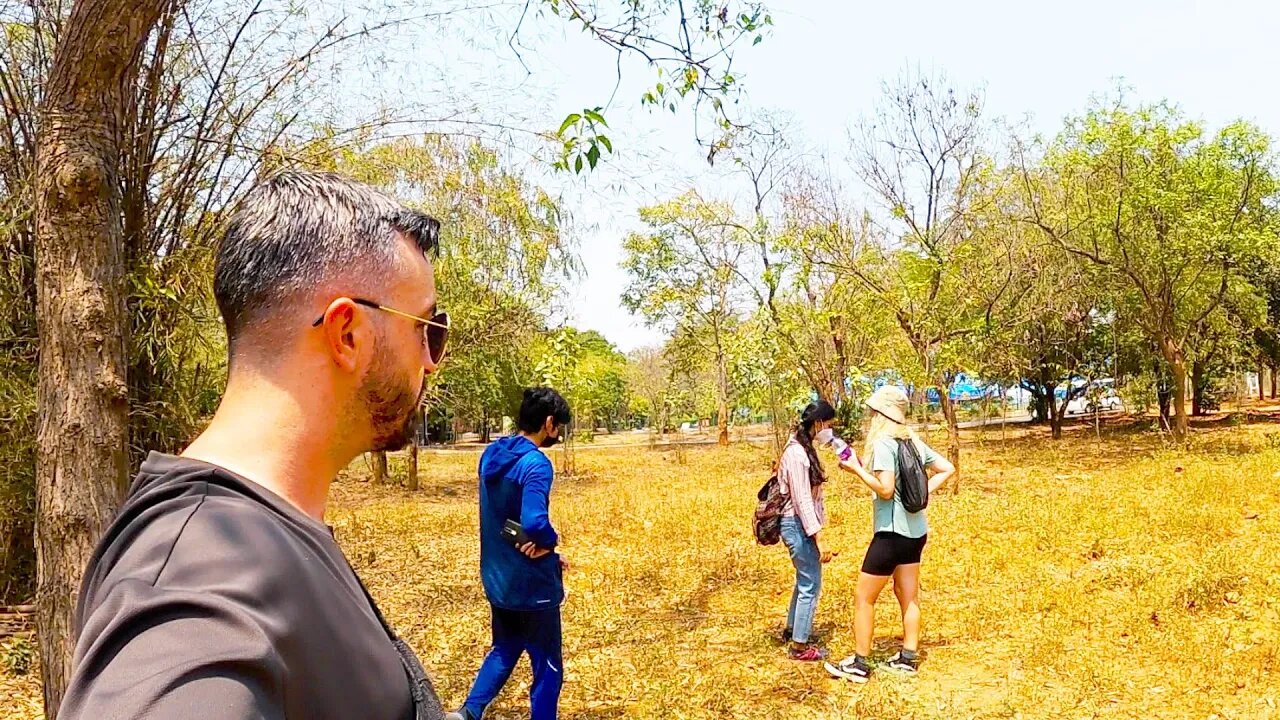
(603, 392)
(922, 157)
(1057, 336)
(1167, 211)
(685, 278)
(649, 379)
(834, 324)
(84, 410)
(764, 156)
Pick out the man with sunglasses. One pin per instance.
(219, 591)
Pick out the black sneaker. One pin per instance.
(852, 668)
(903, 665)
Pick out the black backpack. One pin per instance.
(911, 479)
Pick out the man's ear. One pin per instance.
(344, 331)
(549, 426)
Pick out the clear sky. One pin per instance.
(825, 60)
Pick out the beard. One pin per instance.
(391, 407)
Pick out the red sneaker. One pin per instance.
(809, 653)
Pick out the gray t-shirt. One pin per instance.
(890, 515)
(210, 597)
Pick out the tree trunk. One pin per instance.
(953, 435)
(1043, 395)
(842, 363)
(1057, 413)
(1178, 366)
(1197, 388)
(775, 420)
(379, 467)
(723, 438)
(1180, 423)
(567, 448)
(723, 378)
(1040, 405)
(81, 464)
(412, 483)
(1261, 372)
(1274, 384)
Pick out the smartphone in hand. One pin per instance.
(514, 533)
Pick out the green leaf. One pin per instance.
(573, 119)
(596, 118)
(577, 165)
(606, 142)
(593, 156)
(757, 40)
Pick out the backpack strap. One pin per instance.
(895, 502)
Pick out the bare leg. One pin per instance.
(906, 586)
(864, 616)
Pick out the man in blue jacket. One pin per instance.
(523, 582)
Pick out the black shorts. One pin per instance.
(889, 550)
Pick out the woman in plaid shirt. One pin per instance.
(801, 477)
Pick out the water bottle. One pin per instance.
(842, 449)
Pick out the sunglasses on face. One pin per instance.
(435, 331)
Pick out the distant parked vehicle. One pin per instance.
(1100, 397)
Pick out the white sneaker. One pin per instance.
(904, 665)
(851, 668)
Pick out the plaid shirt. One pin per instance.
(804, 500)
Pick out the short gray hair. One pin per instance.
(298, 230)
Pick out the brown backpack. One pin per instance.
(768, 516)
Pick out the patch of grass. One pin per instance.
(17, 655)
(20, 697)
(1080, 578)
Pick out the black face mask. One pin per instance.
(551, 441)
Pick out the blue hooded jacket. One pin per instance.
(515, 483)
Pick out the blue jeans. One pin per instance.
(514, 633)
(808, 563)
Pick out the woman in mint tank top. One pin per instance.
(899, 537)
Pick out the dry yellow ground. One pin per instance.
(1068, 579)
